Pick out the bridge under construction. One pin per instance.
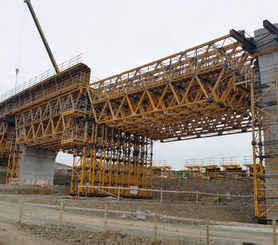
(224, 86)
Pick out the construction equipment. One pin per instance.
(46, 45)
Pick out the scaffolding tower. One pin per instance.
(265, 142)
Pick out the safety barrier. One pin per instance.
(199, 196)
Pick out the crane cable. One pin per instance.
(20, 42)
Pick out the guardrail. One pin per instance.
(47, 74)
(197, 193)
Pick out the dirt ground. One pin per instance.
(232, 186)
(50, 235)
(235, 210)
(86, 227)
(240, 210)
(40, 224)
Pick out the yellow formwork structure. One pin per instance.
(113, 159)
(195, 171)
(191, 94)
(109, 126)
(38, 116)
(6, 142)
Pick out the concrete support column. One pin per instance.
(268, 63)
(36, 165)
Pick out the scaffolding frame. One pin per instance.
(113, 158)
(110, 125)
(265, 142)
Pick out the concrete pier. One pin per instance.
(36, 165)
(268, 65)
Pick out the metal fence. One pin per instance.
(195, 197)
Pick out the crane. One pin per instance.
(46, 45)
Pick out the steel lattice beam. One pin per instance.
(178, 97)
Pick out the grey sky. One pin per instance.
(116, 35)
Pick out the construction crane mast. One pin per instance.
(46, 45)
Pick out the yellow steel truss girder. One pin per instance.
(174, 67)
(149, 106)
(200, 79)
(51, 120)
(164, 97)
(184, 127)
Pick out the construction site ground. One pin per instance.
(40, 223)
(40, 226)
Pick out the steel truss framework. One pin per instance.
(109, 126)
(190, 94)
(7, 147)
(265, 143)
(43, 114)
(44, 126)
(6, 138)
(61, 119)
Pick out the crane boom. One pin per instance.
(46, 45)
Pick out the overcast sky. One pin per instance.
(116, 35)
